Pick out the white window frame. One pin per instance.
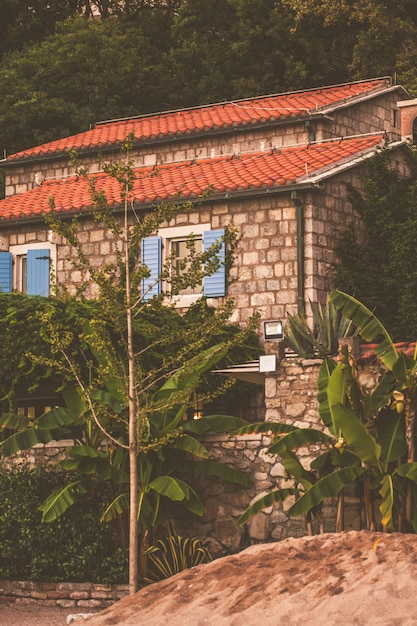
(21, 250)
(180, 232)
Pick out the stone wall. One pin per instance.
(79, 596)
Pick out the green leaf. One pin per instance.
(407, 470)
(31, 437)
(108, 399)
(293, 467)
(57, 417)
(386, 507)
(221, 470)
(267, 428)
(186, 378)
(326, 369)
(391, 435)
(214, 424)
(190, 445)
(357, 436)
(264, 502)
(297, 438)
(14, 422)
(369, 326)
(169, 487)
(61, 499)
(118, 506)
(73, 400)
(349, 425)
(327, 487)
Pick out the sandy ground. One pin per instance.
(24, 613)
(352, 578)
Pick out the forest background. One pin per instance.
(67, 64)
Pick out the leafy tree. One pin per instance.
(377, 265)
(119, 71)
(135, 402)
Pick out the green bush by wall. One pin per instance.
(76, 547)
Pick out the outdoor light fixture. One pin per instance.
(273, 330)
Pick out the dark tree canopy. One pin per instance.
(62, 69)
(379, 267)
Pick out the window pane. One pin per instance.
(181, 251)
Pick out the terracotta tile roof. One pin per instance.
(368, 356)
(224, 175)
(208, 118)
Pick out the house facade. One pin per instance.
(274, 168)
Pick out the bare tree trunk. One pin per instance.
(340, 512)
(133, 426)
(409, 437)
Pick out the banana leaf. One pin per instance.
(211, 468)
(177, 490)
(297, 438)
(61, 499)
(369, 326)
(293, 467)
(347, 424)
(14, 422)
(266, 428)
(214, 424)
(31, 437)
(264, 502)
(190, 445)
(386, 492)
(391, 435)
(326, 370)
(118, 506)
(327, 487)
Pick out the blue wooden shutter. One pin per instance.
(152, 258)
(5, 271)
(37, 272)
(215, 285)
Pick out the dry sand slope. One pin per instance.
(348, 578)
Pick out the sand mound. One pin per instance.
(348, 578)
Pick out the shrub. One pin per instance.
(76, 547)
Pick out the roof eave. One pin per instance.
(288, 121)
(151, 204)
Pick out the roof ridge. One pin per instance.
(235, 101)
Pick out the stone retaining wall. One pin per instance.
(64, 595)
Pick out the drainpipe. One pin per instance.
(299, 213)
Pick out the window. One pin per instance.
(180, 249)
(175, 241)
(27, 269)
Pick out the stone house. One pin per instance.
(277, 168)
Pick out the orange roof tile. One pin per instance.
(206, 118)
(267, 170)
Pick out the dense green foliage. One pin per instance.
(25, 359)
(76, 547)
(61, 72)
(379, 266)
(322, 337)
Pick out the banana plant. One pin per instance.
(170, 451)
(365, 436)
(402, 398)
